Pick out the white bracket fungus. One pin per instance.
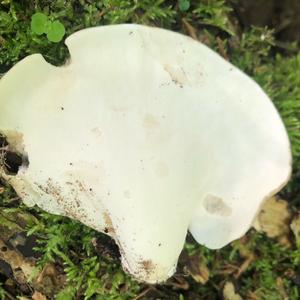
(143, 135)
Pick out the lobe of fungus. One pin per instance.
(145, 134)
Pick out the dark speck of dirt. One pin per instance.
(18, 269)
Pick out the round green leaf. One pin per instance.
(39, 23)
(56, 32)
(184, 5)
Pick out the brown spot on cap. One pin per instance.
(109, 228)
(148, 266)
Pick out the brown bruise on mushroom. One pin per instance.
(147, 266)
(109, 228)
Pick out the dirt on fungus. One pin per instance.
(109, 228)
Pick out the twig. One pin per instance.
(142, 294)
(244, 266)
(192, 32)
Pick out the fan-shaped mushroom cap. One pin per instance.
(144, 134)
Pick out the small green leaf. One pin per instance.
(39, 23)
(56, 32)
(184, 5)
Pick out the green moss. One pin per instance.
(88, 273)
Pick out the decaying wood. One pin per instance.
(20, 269)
